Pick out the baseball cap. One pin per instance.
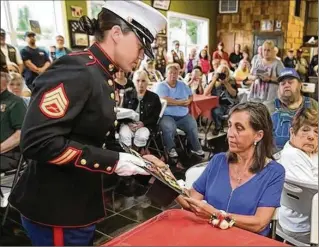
(29, 33)
(288, 73)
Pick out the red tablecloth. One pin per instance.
(178, 227)
(202, 105)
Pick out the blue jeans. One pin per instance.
(217, 114)
(168, 126)
(41, 235)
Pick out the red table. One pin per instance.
(202, 105)
(178, 227)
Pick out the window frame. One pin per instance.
(228, 11)
(59, 27)
(189, 17)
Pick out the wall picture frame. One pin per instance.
(267, 25)
(78, 38)
(161, 4)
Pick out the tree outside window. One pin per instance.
(190, 31)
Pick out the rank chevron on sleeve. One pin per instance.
(55, 102)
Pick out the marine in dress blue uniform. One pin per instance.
(72, 110)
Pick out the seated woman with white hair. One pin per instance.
(300, 159)
(17, 86)
(148, 105)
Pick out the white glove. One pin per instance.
(128, 165)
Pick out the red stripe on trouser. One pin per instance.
(58, 236)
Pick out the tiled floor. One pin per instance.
(129, 209)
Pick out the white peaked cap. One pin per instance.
(147, 20)
(142, 13)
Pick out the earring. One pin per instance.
(255, 143)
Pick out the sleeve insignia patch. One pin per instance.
(54, 103)
(66, 157)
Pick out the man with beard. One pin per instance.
(35, 59)
(59, 49)
(289, 101)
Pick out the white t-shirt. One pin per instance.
(4, 49)
(302, 168)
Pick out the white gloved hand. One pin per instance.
(128, 165)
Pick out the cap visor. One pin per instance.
(145, 43)
(287, 77)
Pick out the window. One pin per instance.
(190, 31)
(228, 6)
(16, 16)
(297, 7)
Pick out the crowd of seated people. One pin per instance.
(12, 112)
(289, 124)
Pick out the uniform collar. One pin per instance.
(5, 94)
(103, 59)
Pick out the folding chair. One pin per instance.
(17, 173)
(298, 197)
(193, 173)
(156, 133)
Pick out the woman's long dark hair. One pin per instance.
(259, 120)
(105, 21)
(205, 57)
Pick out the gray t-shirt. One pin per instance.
(261, 90)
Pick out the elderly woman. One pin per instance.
(224, 86)
(245, 182)
(148, 105)
(264, 73)
(300, 159)
(16, 86)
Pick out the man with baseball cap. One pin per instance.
(11, 53)
(290, 61)
(69, 124)
(289, 101)
(35, 59)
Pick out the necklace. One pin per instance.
(239, 175)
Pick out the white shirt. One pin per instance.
(4, 49)
(300, 167)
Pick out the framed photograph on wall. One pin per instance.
(78, 38)
(161, 4)
(267, 25)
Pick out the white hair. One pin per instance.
(139, 73)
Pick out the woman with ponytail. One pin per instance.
(71, 116)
